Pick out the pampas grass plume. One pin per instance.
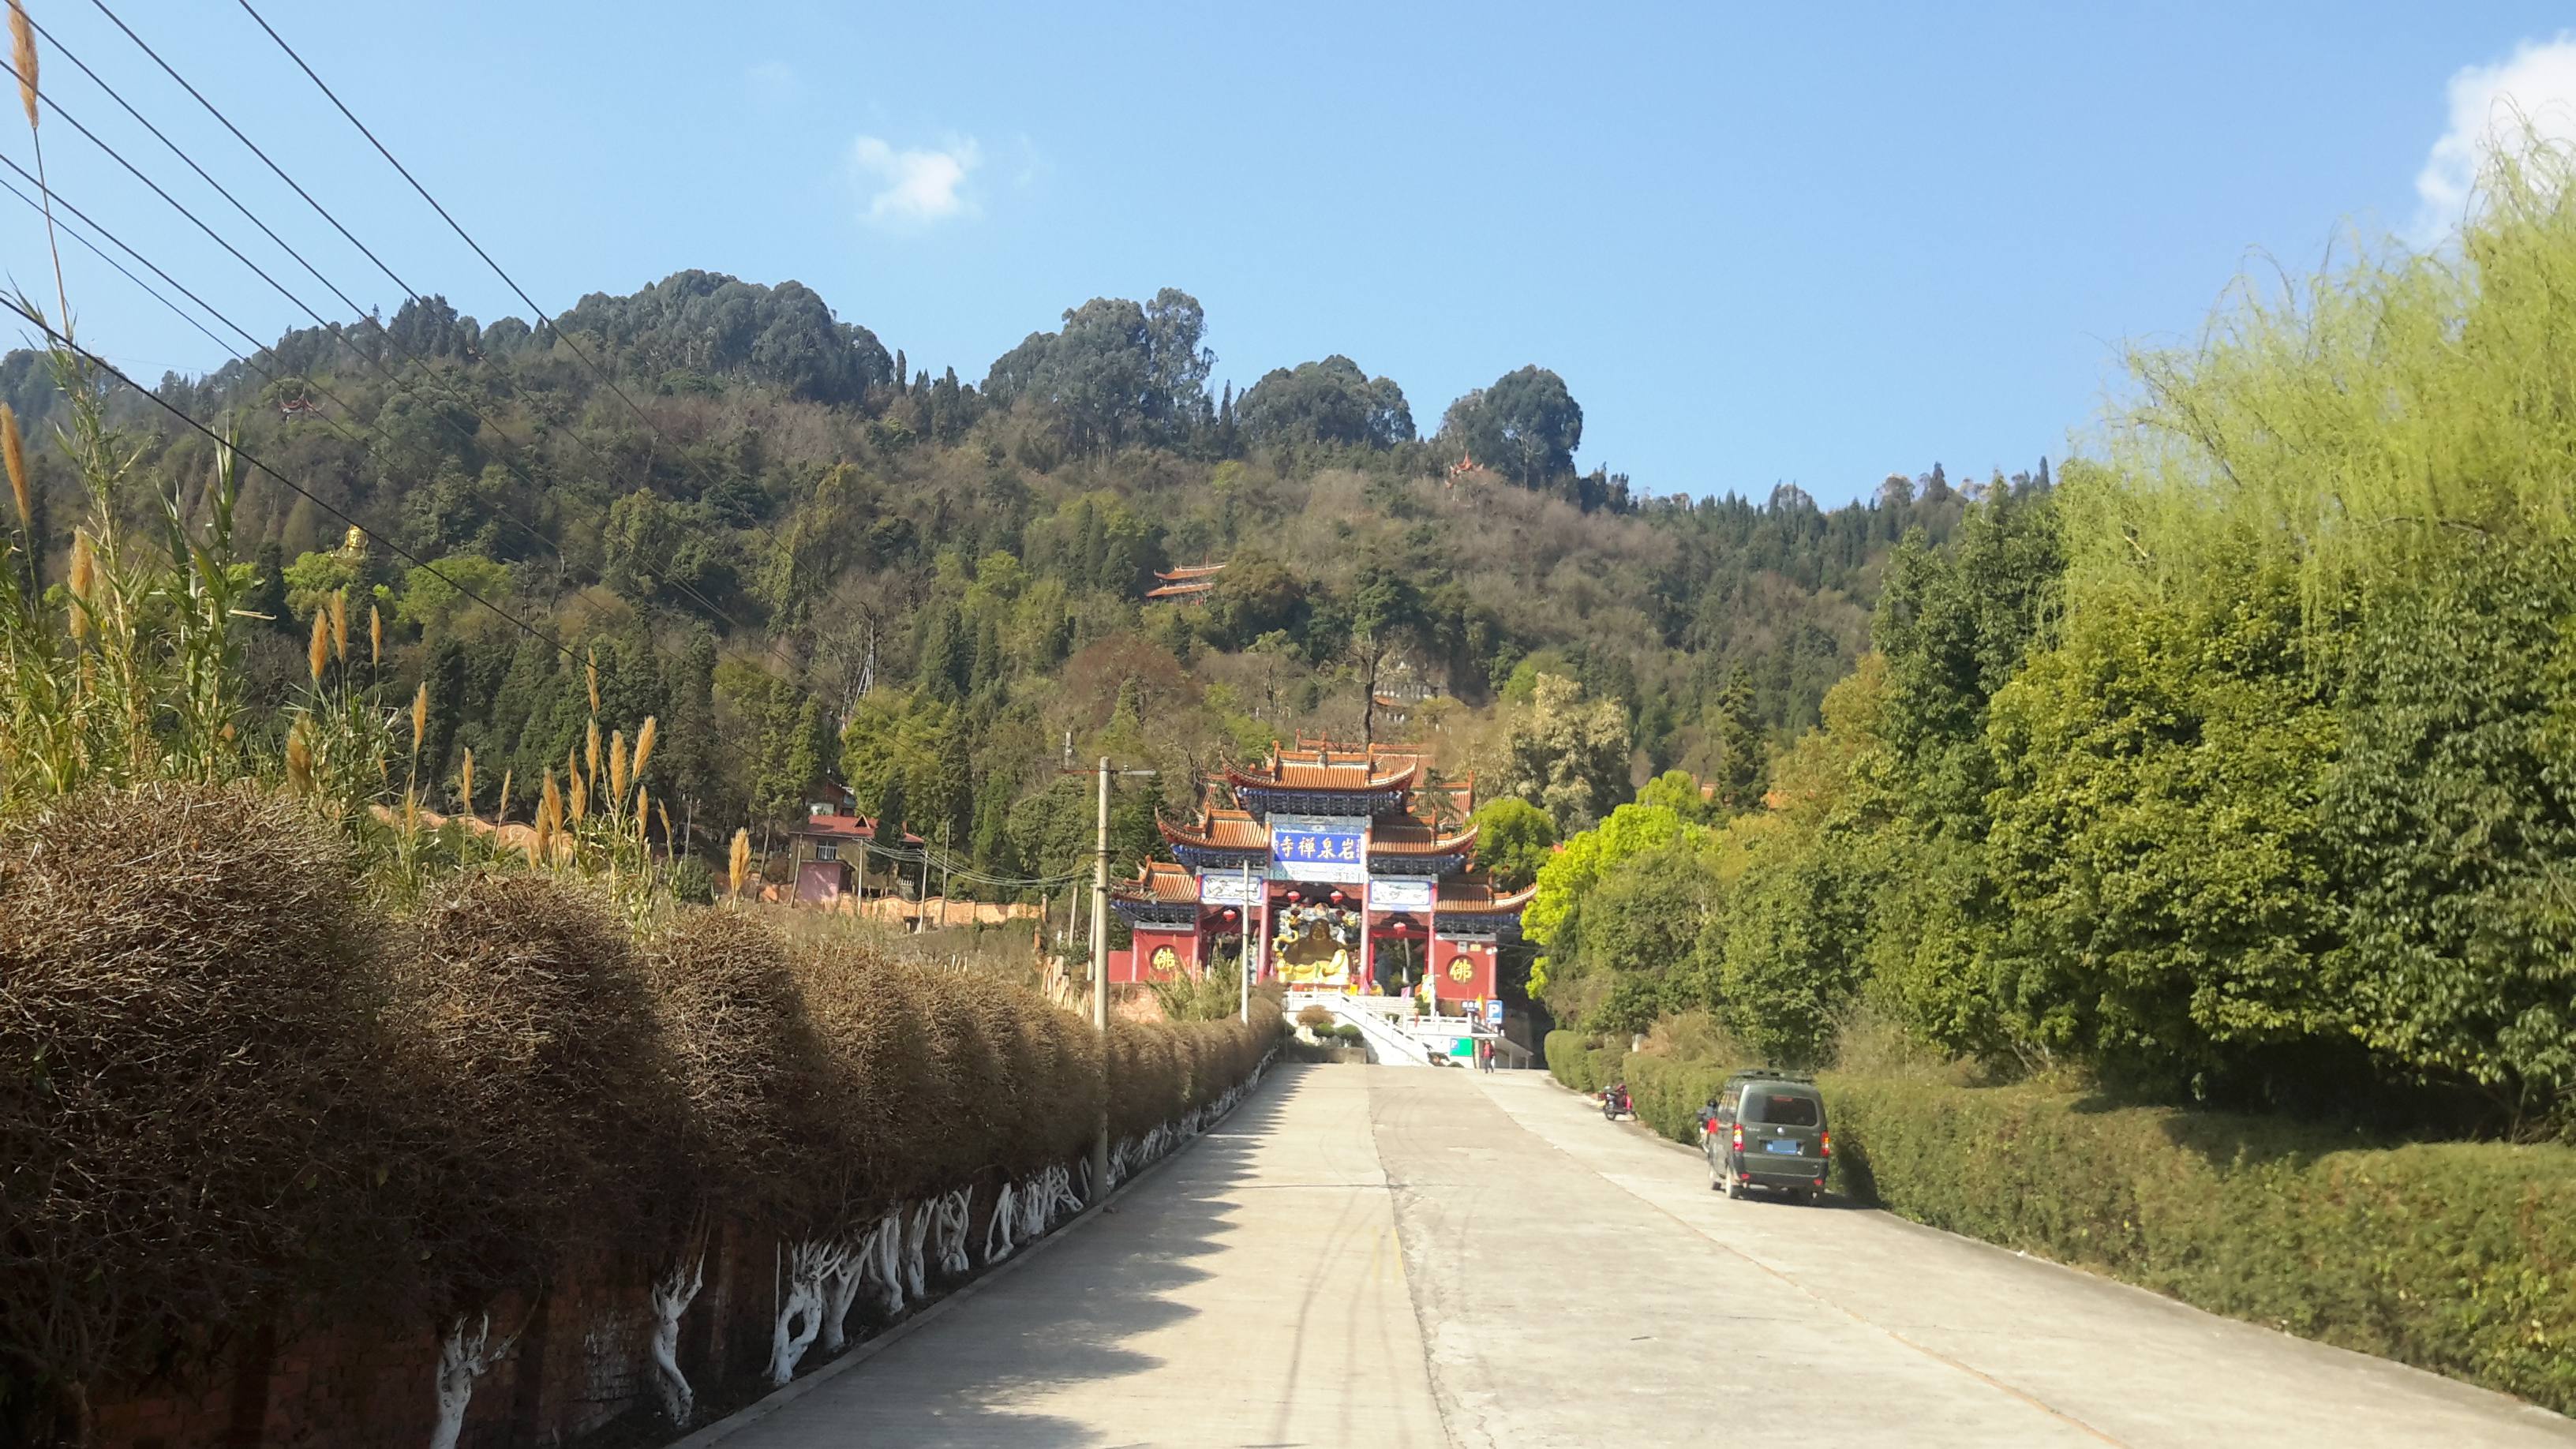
(644, 745)
(465, 780)
(22, 58)
(419, 717)
(617, 768)
(738, 867)
(299, 757)
(318, 654)
(84, 574)
(376, 636)
(340, 623)
(13, 452)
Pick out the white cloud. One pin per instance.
(914, 188)
(2490, 107)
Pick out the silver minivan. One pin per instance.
(1767, 1130)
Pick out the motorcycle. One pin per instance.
(1615, 1103)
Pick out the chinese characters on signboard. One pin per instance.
(1317, 848)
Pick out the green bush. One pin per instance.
(2457, 1257)
(1576, 1062)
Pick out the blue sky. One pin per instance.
(1759, 245)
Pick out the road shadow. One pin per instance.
(1067, 1317)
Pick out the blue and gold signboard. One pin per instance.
(1318, 848)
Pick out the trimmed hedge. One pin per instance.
(2457, 1257)
(390, 1119)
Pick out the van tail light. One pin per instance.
(1739, 1138)
(1828, 1139)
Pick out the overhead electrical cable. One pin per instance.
(182, 313)
(112, 370)
(339, 333)
(497, 270)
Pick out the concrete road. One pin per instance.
(1375, 1256)
(1248, 1291)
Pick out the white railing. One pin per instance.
(1397, 1036)
(1387, 1044)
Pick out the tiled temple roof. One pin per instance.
(1159, 883)
(1414, 838)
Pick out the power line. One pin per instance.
(542, 315)
(182, 313)
(253, 217)
(338, 333)
(119, 158)
(112, 370)
(77, 235)
(341, 334)
(408, 289)
(139, 119)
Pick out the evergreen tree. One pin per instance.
(991, 841)
(690, 767)
(1743, 759)
(267, 594)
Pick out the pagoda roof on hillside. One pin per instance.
(1477, 896)
(1320, 766)
(1189, 581)
(1160, 883)
(1409, 838)
(1221, 830)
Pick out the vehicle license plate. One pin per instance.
(1785, 1146)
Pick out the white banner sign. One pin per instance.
(1398, 894)
(1229, 888)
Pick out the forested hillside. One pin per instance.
(779, 535)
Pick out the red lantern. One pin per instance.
(1229, 913)
(1292, 898)
(1337, 898)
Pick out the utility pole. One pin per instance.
(1100, 984)
(1243, 943)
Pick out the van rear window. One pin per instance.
(1781, 1110)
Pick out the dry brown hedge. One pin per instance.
(236, 1092)
(749, 1067)
(190, 1123)
(522, 1016)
